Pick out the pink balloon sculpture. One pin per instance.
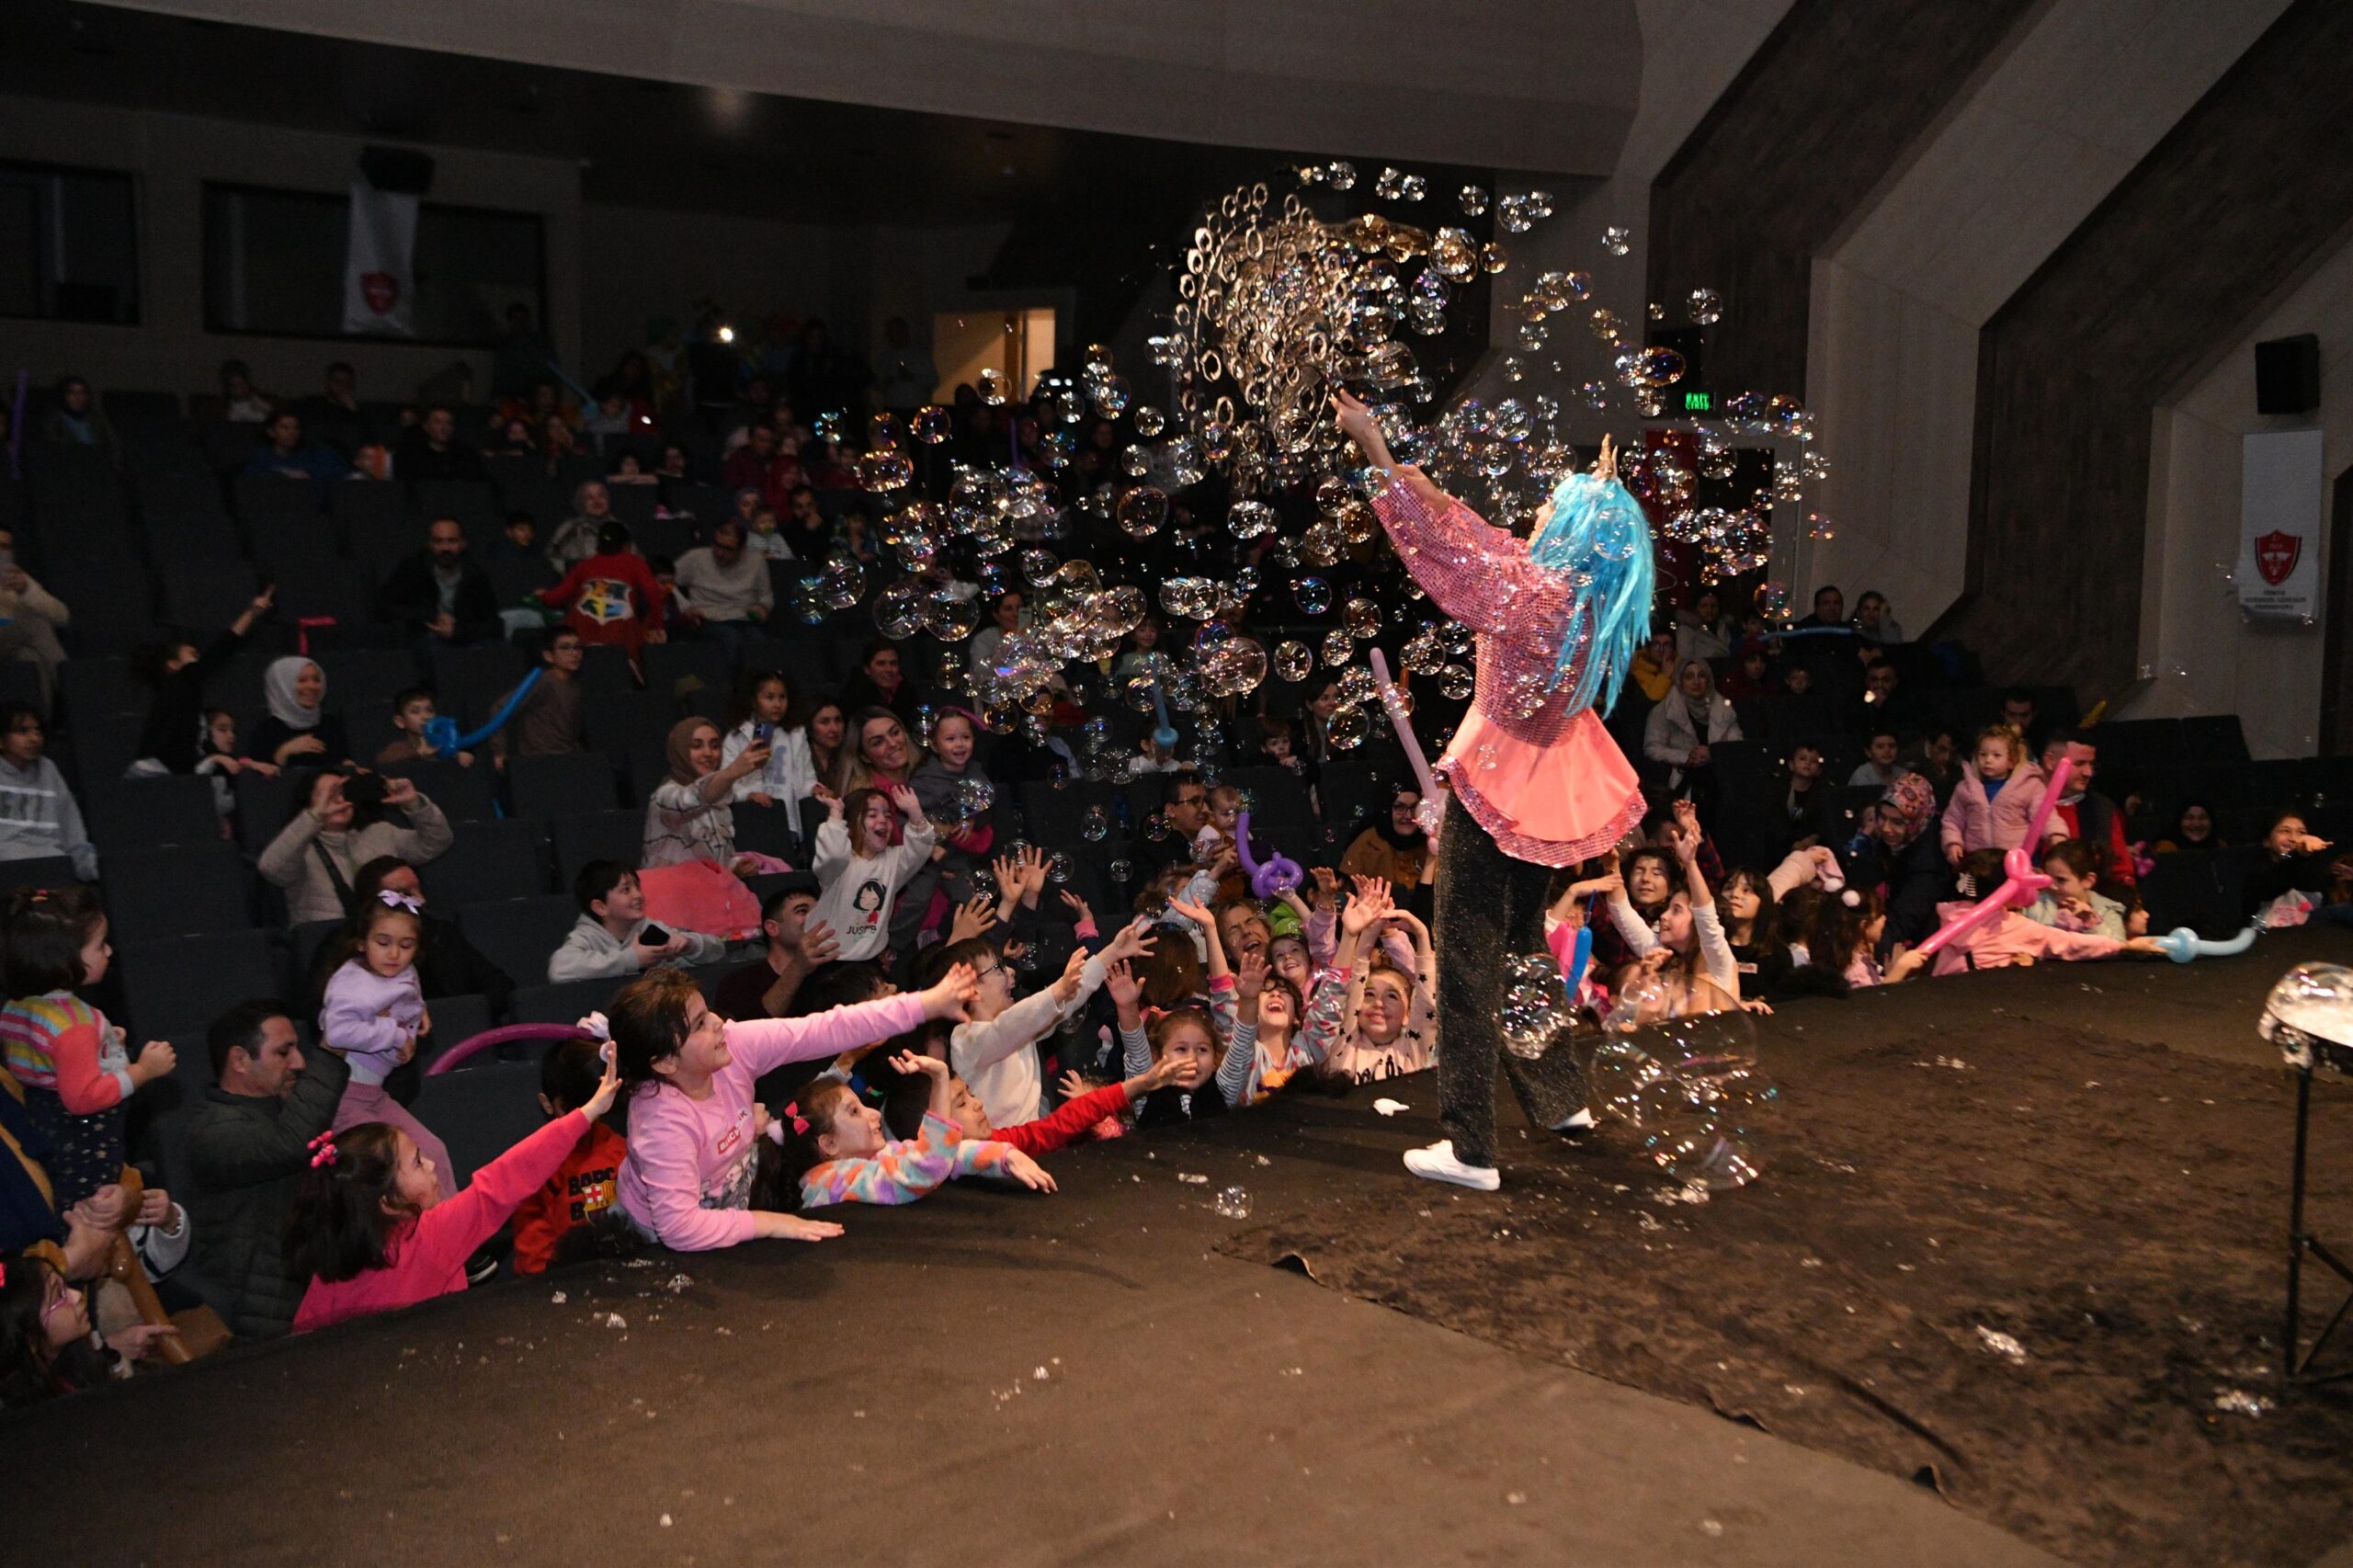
(1432, 807)
(2021, 882)
(506, 1034)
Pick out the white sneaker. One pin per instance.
(1438, 1163)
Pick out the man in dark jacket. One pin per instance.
(248, 1144)
(441, 595)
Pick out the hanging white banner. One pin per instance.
(379, 272)
(2279, 516)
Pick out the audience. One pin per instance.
(613, 938)
(338, 827)
(249, 1142)
(1214, 999)
(440, 596)
(38, 818)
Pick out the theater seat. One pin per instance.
(481, 1111)
(178, 985)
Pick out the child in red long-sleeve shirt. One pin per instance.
(370, 1225)
(1073, 1120)
(588, 1182)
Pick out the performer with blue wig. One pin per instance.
(1536, 780)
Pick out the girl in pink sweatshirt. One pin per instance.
(1994, 801)
(371, 1228)
(686, 1182)
(373, 1015)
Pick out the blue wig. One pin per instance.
(1598, 538)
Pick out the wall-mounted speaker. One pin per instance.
(2287, 375)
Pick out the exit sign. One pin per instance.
(1699, 402)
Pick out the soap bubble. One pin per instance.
(973, 798)
(1149, 420)
(1143, 510)
(843, 582)
(1338, 647)
(1534, 1008)
(898, 609)
(1819, 526)
(1233, 1203)
(1457, 683)
(1122, 872)
(1293, 661)
(884, 468)
(1095, 826)
(1058, 867)
(1616, 240)
(1773, 600)
(1235, 665)
(1706, 307)
(950, 618)
(1348, 729)
(1474, 199)
(992, 386)
(933, 425)
(1313, 595)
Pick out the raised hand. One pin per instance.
(1130, 941)
(1080, 914)
(818, 944)
(931, 1067)
(1250, 976)
(974, 917)
(1066, 988)
(1124, 988)
(947, 1000)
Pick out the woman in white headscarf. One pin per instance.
(299, 731)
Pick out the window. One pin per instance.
(69, 245)
(272, 264)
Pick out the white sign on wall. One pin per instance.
(2280, 487)
(380, 270)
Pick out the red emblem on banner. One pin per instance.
(2275, 555)
(380, 290)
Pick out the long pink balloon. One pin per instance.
(2020, 881)
(1399, 720)
(491, 1040)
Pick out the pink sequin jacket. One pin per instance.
(1545, 779)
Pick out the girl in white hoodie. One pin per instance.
(860, 869)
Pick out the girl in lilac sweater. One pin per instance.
(373, 1015)
(686, 1182)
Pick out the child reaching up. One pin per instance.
(687, 1180)
(1276, 1032)
(1389, 1017)
(1079, 1114)
(841, 1156)
(1686, 949)
(374, 1013)
(373, 1229)
(587, 1184)
(996, 1051)
(860, 869)
(75, 1072)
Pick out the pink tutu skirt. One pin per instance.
(1553, 803)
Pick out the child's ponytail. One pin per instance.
(338, 1227)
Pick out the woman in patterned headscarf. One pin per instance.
(1899, 857)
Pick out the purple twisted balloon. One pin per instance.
(1280, 875)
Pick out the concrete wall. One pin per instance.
(2199, 655)
(1995, 186)
(172, 156)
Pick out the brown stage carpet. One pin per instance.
(1935, 1181)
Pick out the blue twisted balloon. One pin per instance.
(441, 733)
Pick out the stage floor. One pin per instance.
(993, 1377)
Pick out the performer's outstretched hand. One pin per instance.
(1356, 423)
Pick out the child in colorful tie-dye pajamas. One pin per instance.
(837, 1146)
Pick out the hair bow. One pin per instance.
(391, 899)
(800, 1123)
(595, 1026)
(3, 1275)
(322, 1151)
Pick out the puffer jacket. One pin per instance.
(1972, 822)
(245, 1153)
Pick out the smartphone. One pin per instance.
(761, 732)
(653, 936)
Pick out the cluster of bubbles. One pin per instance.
(1276, 305)
(1689, 1087)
